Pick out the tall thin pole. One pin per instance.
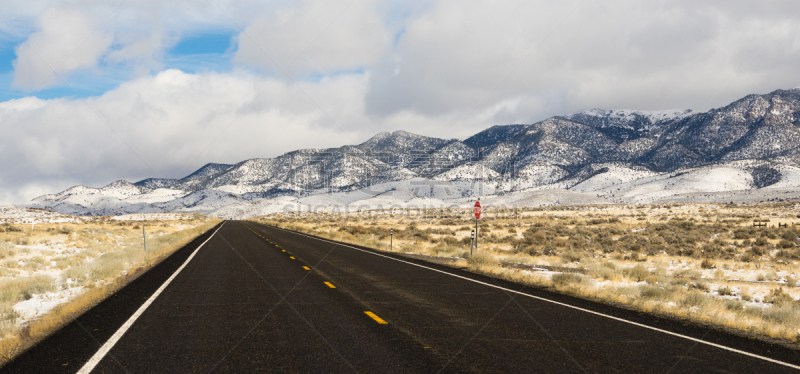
(476, 234)
(144, 238)
(391, 237)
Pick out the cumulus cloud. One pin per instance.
(67, 40)
(461, 54)
(144, 51)
(315, 37)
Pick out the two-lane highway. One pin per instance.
(257, 298)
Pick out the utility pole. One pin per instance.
(144, 238)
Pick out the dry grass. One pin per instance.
(94, 258)
(697, 261)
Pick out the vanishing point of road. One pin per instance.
(245, 297)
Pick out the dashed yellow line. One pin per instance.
(292, 257)
(306, 267)
(330, 285)
(283, 250)
(376, 318)
(268, 241)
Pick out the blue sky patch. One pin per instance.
(203, 44)
(194, 53)
(82, 83)
(7, 55)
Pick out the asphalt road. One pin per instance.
(256, 298)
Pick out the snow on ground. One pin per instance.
(40, 304)
(159, 195)
(711, 179)
(470, 171)
(615, 176)
(155, 217)
(12, 214)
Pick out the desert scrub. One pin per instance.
(482, 259)
(563, 279)
(787, 314)
(649, 291)
(695, 299)
(23, 288)
(637, 273)
(603, 271)
(571, 256)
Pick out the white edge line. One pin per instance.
(89, 365)
(562, 304)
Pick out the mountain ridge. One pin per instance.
(760, 132)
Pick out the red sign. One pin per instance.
(477, 210)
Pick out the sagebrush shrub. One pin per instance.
(566, 278)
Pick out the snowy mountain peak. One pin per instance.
(627, 116)
(120, 189)
(558, 152)
(401, 141)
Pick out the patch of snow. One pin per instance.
(41, 304)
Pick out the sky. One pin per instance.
(94, 91)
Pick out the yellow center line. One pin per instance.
(306, 267)
(330, 285)
(291, 257)
(376, 318)
(283, 250)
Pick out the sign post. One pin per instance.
(477, 211)
(391, 237)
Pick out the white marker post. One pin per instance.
(391, 237)
(471, 242)
(477, 217)
(144, 238)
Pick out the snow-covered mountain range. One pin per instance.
(746, 151)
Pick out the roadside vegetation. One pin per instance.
(52, 272)
(703, 262)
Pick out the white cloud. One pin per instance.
(315, 37)
(145, 51)
(460, 54)
(67, 40)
